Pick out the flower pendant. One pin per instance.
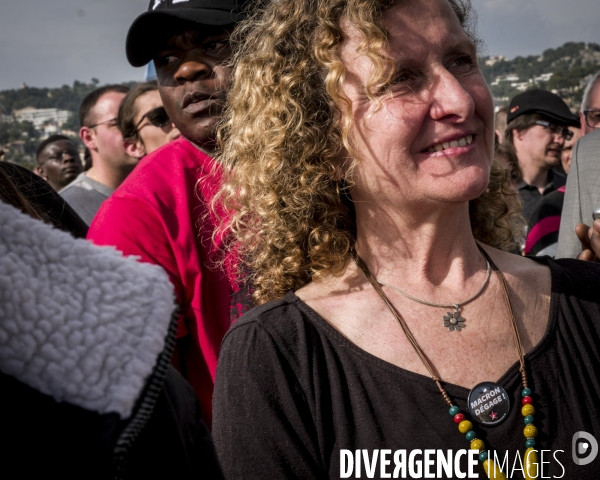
(453, 321)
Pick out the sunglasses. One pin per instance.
(157, 117)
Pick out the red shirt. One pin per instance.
(160, 214)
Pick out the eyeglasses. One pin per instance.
(555, 130)
(157, 117)
(112, 122)
(592, 118)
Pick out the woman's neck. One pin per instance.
(436, 247)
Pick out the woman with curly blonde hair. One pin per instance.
(360, 190)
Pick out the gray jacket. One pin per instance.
(583, 193)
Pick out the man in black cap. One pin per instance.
(188, 42)
(537, 128)
(160, 213)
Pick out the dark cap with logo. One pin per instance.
(545, 103)
(150, 30)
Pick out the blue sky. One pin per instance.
(47, 43)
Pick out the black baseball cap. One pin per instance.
(545, 103)
(151, 29)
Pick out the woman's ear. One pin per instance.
(134, 148)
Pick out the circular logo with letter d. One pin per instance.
(584, 448)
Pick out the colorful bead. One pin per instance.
(531, 464)
(527, 400)
(477, 444)
(493, 471)
(526, 392)
(454, 410)
(471, 435)
(465, 426)
(528, 419)
(459, 417)
(530, 443)
(528, 410)
(483, 456)
(530, 431)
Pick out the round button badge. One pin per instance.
(489, 403)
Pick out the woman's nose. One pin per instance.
(450, 98)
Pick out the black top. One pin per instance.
(543, 240)
(291, 391)
(74, 443)
(531, 195)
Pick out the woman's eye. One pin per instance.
(463, 62)
(400, 82)
(401, 78)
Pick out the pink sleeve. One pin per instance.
(134, 228)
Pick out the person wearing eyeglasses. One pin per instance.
(590, 105)
(110, 163)
(58, 161)
(144, 122)
(579, 235)
(542, 238)
(160, 213)
(538, 124)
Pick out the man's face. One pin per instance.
(193, 82)
(59, 163)
(568, 149)
(594, 105)
(108, 141)
(539, 147)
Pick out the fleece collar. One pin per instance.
(78, 322)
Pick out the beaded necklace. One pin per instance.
(465, 426)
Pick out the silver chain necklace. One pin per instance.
(453, 321)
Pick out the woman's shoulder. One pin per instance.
(575, 278)
(282, 339)
(283, 322)
(563, 276)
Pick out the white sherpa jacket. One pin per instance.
(78, 322)
(86, 337)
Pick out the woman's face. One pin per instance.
(152, 137)
(432, 139)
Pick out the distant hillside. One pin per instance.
(64, 98)
(19, 139)
(563, 70)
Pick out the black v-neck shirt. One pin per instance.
(291, 392)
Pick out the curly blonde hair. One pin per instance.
(284, 201)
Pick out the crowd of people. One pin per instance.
(312, 234)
